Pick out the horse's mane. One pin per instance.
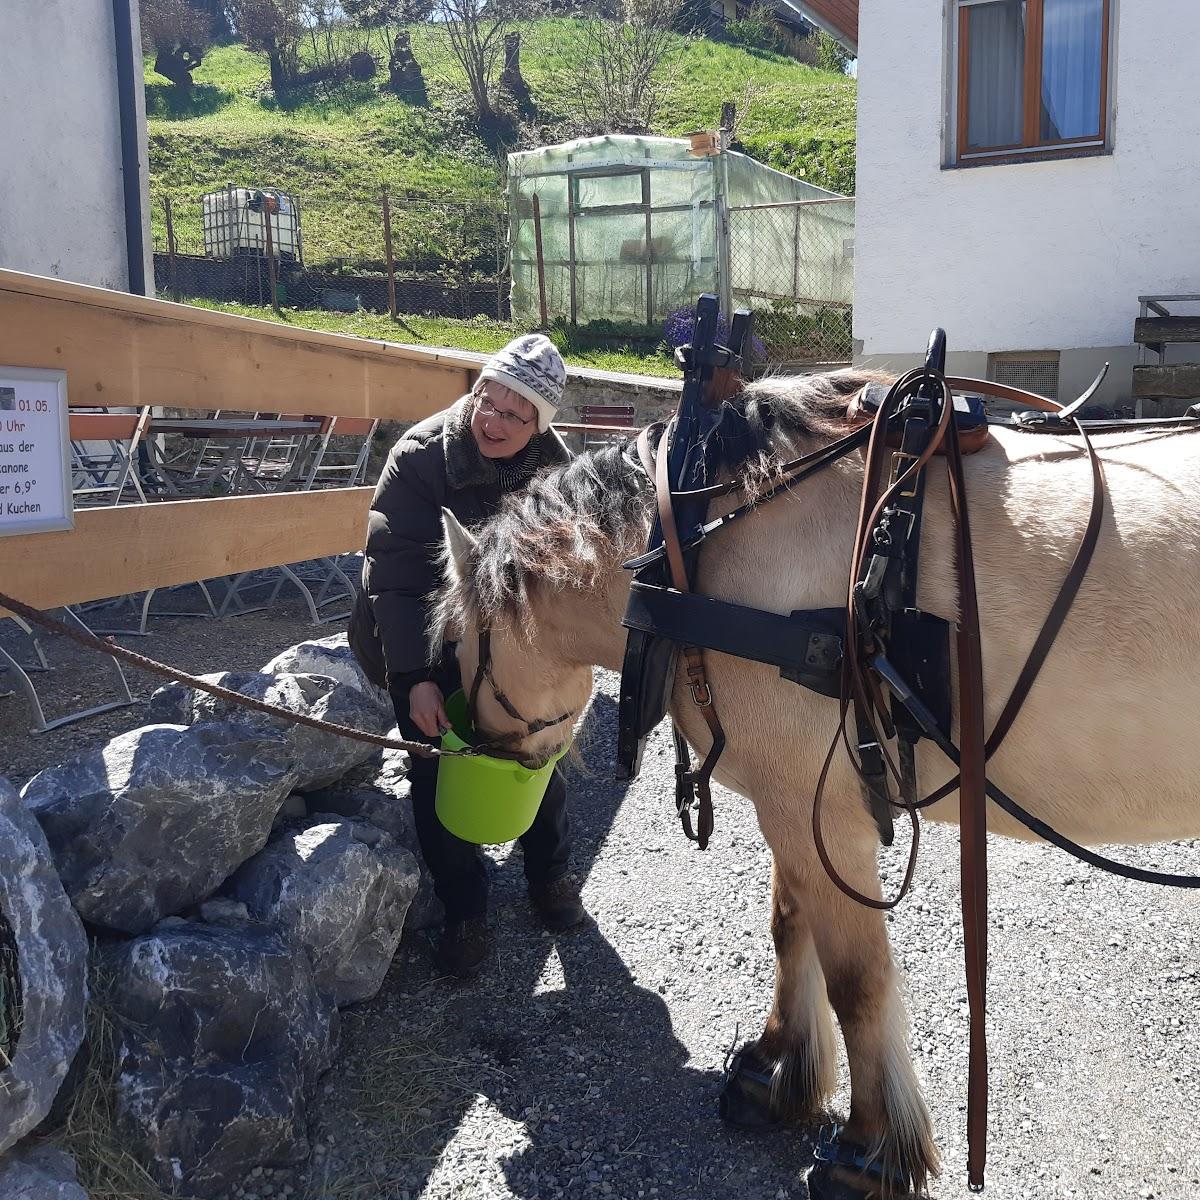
(569, 524)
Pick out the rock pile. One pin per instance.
(258, 876)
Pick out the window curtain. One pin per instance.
(1072, 45)
(995, 74)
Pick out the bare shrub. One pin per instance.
(622, 69)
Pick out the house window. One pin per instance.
(1032, 76)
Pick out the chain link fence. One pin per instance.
(398, 254)
(413, 256)
(792, 263)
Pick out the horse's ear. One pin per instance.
(459, 543)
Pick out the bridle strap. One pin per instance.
(483, 671)
(699, 781)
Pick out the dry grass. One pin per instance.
(394, 1086)
(391, 1082)
(107, 1169)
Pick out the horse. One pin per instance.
(1104, 750)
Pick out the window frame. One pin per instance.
(1031, 147)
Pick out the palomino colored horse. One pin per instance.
(1105, 749)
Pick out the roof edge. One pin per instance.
(809, 13)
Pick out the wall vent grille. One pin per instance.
(1033, 371)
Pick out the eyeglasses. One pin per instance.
(510, 419)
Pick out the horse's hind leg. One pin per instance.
(888, 1117)
(790, 1071)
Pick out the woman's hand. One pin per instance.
(426, 710)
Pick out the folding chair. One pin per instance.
(273, 463)
(340, 457)
(104, 448)
(22, 672)
(338, 463)
(622, 416)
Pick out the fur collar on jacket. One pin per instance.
(466, 467)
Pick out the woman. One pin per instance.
(466, 459)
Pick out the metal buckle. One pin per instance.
(701, 693)
(909, 491)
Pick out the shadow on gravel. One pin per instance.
(554, 1066)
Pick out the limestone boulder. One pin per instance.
(43, 974)
(223, 1038)
(339, 891)
(387, 804)
(319, 758)
(330, 656)
(158, 818)
(39, 1173)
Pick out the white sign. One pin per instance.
(35, 447)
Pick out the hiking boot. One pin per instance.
(462, 947)
(558, 904)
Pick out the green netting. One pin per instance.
(630, 232)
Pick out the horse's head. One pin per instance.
(524, 693)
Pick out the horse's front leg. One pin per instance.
(889, 1124)
(789, 1073)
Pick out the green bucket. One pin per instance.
(483, 799)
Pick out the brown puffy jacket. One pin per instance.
(435, 464)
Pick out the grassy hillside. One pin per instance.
(335, 150)
(477, 333)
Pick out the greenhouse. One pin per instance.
(629, 230)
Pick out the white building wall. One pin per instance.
(1023, 256)
(62, 206)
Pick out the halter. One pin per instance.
(484, 672)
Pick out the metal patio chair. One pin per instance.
(22, 672)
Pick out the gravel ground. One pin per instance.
(589, 1065)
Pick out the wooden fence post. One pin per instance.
(541, 260)
(387, 249)
(270, 257)
(173, 278)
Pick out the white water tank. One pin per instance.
(235, 223)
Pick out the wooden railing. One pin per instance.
(123, 350)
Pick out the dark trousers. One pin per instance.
(459, 875)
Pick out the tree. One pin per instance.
(218, 12)
(831, 54)
(622, 69)
(474, 30)
(178, 33)
(294, 32)
(273, 28)
(387, 17)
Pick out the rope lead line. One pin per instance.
(92, 642)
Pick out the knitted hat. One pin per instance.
(532, 366)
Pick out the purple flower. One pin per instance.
(679, 327)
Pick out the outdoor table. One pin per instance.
(233, 427)
(237, 433)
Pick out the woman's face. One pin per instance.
(502, 420)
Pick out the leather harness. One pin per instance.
(880, 655)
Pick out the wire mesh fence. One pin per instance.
(401, 254)
(416, 257)
(792, 263)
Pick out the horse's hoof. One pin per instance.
(826, 1182)
(844, 1170)
(745, 1101)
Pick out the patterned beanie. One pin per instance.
(532, 366)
